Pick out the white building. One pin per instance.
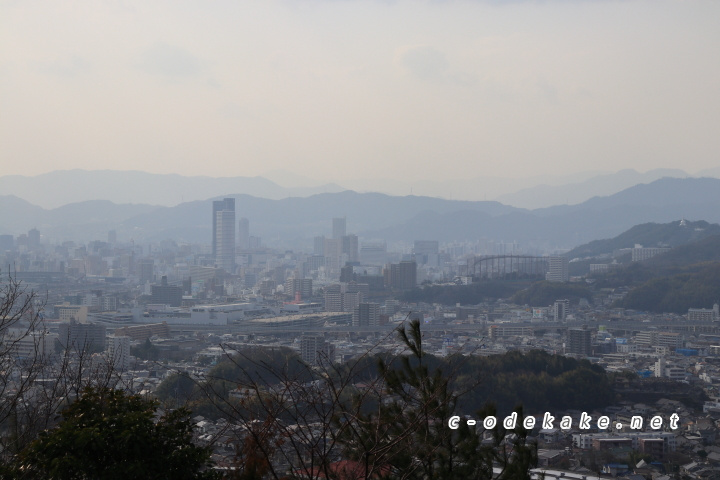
(639, 253)
(224, 234)
(26, 344)
(561, 308)
(585, 440)
(665, 370)
(314, 350)
(223, 314)
(119, 352)
(558, 269)
(704, 314)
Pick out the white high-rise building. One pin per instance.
(224, 234)
(557, 269)
(314, 350)
(119, 352)
(244, 233)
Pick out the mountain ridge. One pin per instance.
(381, 216)
(62, 187)
(541, 196)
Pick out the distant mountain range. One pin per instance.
(662, 201)
(63, 187)
(524, 192)
(294, 221)
(540, 196)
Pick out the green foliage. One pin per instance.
(545, 293)
(685, 277)
(690, 258)
(146, 351)
(632, 274)
(537, 380)
(266, 366)
(676, 293)
(108, 434)
(648, 235)
(702, 251)
(178, 388)
(408, 433)
(463, 294)
(256, 366)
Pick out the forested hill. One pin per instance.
(536, 380)
(688, 276)
(702, 251)
(677, 293)
(686, 259)
(671, 234)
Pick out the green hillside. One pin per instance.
(702, 251)
(463, 294)
(545, 293)
(687, 276)
(686, 259)
(677, 293)
(649, 235)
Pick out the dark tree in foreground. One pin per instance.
(407, 436)
(379, 417)
(108, 434)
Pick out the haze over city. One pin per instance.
(360, 93)
(301, 238)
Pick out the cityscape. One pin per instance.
(153, 312)
(360, 240)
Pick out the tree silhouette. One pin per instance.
(107, 434)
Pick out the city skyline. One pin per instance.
(336, 91)
(237, 208)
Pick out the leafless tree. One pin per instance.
(35, 381)
(22, 353)
(328, 421)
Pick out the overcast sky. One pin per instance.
(334, 89)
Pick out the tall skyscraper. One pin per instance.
(146, 270)
(33, 239)
(224, 234)
(339, 226)
(227, 204)
(319, 245)
(349, 246)
(244, 233)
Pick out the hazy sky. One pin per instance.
(368, 88)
